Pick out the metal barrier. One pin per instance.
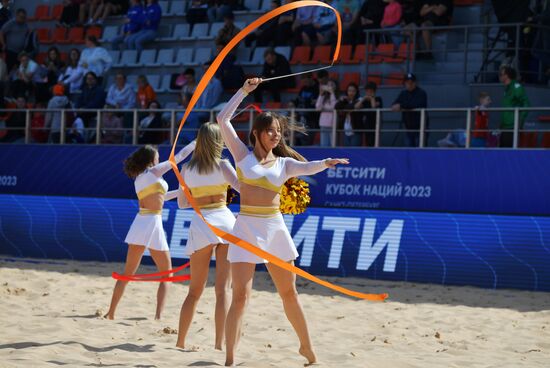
(130, 132)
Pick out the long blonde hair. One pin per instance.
(264, 120)
(208, 151)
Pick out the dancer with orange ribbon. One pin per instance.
(223, 234)
(208, 177)
(147, 231)
(262, 172)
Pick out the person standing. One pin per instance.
(14, 37)
(368, 119)
(514, 96)
(408, 102)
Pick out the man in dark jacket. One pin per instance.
(275, 65)
(410, 99)
(92, 97)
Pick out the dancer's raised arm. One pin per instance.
(237, 148)
(165, 166)
(230, 175)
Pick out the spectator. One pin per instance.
(151, 121)
(285, 23)
(4, 76)
(410, 99)
(108, 7)
(326, 103)
(111, 126)
(5, 12)
(149, 29)
(87, 10)
(275, 65)
(54, 65)
(53, 119)
(219, 9)
(514, 96)
(434, 13)
(266, 34)
(180, 81)
(15, 122)
(323, 23)
(92, 97)
(25, 76)
(190, 82)
(95, 59)
(145, 94)
(197, 12)
(349, 12)
(77, 132)
(303, 25)
(132, 24)
(73, 74)
(39, 132)
(69, 15)
(14, 36)
(348, 120)
(306, 99)
(120, 94)
(541, 43)
(230, 74)
(368, 119)
(370, 17)
(480, 134)
(322, 77)
(228, 31)
(392, 20)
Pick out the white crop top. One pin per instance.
(150, 181)
(249, 170)
(213, 183)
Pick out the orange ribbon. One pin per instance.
(200, 88)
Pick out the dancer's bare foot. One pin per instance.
(309, 355)
(218, 347)
(229, 362)
(109, 316)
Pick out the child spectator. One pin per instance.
(481, 126)
(77, 132)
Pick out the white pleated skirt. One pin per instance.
(268, 233)
(147, 230)
(200, 234)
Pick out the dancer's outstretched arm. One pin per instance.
(165, 166)
(295, 168)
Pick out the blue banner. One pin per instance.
(471, 181)
(488, 251)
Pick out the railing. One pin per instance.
(461, 35)
(385, 131)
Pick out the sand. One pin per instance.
(50, 315)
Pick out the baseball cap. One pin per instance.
(409, 76)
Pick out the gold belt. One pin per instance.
(211, 206)
(259, 211)
(145, 211)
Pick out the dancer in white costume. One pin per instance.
(208, 177)
(146, 231)
(262, 172)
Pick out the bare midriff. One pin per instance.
(153, 202)
(208, 200)
(256, 196)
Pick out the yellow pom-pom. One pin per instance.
(294, 197)
(230, 195)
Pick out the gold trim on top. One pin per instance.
(259, 211)
(151, 189)
(261, 182)
(209, 190)
(146, 211)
